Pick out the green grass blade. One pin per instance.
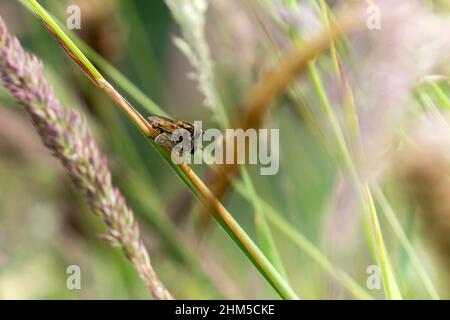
(398, 230)
(304, 244)
(390, 285)
(265, 235)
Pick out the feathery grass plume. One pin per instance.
(65, 133)
(190, 16)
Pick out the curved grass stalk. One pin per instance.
(185, 173)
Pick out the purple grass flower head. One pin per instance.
(67, 136)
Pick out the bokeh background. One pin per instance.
(399, 79)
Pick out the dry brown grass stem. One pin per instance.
(274, 83)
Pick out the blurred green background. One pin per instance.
(45, 226)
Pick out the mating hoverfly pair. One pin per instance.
(175, 132)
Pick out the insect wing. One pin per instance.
(157, 119)
(164, 139)
(162, 123)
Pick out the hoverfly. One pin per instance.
(166, 127)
